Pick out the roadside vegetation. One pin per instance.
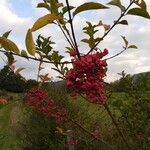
(24, 128)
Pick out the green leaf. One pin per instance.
(6, 34)
(139, 12)
(43, 21)
(56, 57)
(44, 44)
(88, 6)
(141, 3)
(19, 70)
(65, 9)
(55, 6)
(24, 54)
(44, 77)
(9, 45)
(10, 58)
(123, 22)
(125, 41)
(30, 45)
(133, 46)
(91, 30)
(118, 4)
(43, 5)
(85, 40)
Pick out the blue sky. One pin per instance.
(22, 8)
(19, 15)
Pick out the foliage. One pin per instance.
(31, 84)
(35, 128)
(142, 81)
(86, 70)
(40, 133)
(10, 81)
(133, 109)
(125, 83)
(137, 82)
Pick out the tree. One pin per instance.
(86, 77)
(142, 81)
(10, 81)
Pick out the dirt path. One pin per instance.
(15, 115)
(14, 125)
(10, 116)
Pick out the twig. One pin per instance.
(39, 69)
(69, 40)
(69, 35)
(114, 122)
(116, 54)
(72, 29)
(116, 125)
(36, 59)
(4, 61)
(88, 132)
(116, 22)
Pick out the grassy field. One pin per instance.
(10, 114)
(5, 117)
(14, 116)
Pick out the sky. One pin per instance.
(19, 16)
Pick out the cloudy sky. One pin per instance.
(19, 15)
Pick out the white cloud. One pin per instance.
(11, 21)
(8, 18)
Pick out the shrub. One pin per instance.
(10, 81)
(31, 83)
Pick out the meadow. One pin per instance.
(24, 128)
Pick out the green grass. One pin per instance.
(89, 115)
(7, 136)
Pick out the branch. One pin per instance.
(114, 122)
(69, 41)
(72, 29)
(69, 35)
(39, 69)
(116, 54)
(36, 59)
(88, 132)
(116, 22)
(117, 126)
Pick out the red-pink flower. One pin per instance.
(38, 99)
(73, 52)
(3, 101)
(73, 141)
(87, 76)
(96, 134)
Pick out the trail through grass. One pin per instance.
(10, 115)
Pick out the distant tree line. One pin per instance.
(129, 82)
(10, 81)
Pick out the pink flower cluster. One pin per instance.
(86, 76)
(96, 134)
(73, 142)
(38, 99)
(3, 101)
